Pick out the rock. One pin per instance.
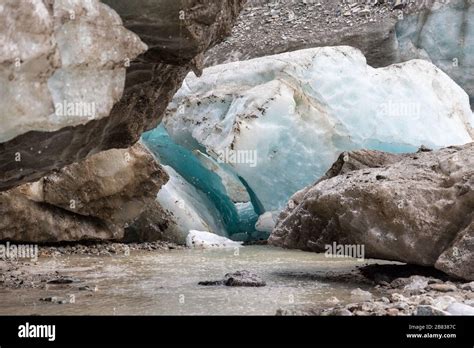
(128, 95)
(361, 295)
(416, 285)
(340, 312)
(434, 281)
(413, 283)
(239, 278)
(468, 286)
(443, 287)
(333, 301)
(54, 299)
(24, 220)
(49, 299)
(207, 240)
(393, 312)
(212, 282)
(243, 278)
(460, 309)
(113, 185)
(55, 73)
(62, 281)
(430, 311)
(458, 259)
(368, 28)
(426, 300)
(347, 162)
(443, 302)
(430, 196)
(276, 110)
(90, 200)
(395, 297)
(399, 4)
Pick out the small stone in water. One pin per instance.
(239, 278)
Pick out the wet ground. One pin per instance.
(166, 283)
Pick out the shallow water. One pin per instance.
(166, 283)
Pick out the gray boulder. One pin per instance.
(416, 208)
(91, 200)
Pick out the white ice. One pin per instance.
(206, 240)
(298, 111)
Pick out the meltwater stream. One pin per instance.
(166, 283)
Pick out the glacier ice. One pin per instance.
(267, 221)
(444, 36)
(298, 111)
(188, 208)
(206, 240)
(224, 194)
(62, 63)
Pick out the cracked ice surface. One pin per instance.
(299, 110)
(72, 54)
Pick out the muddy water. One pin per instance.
(166, 283)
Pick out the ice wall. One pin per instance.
(444, 36)
(298, 111)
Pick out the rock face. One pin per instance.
(91, 200)
(69, 96)
(281, 121)
(267, 28)
(417, 209)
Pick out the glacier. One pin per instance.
(298, 111)
(187, 208)
(443, 36)
(202, 194)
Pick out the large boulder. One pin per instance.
(24, 220)
(91, 200)
(417, 208)
(71, 83)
